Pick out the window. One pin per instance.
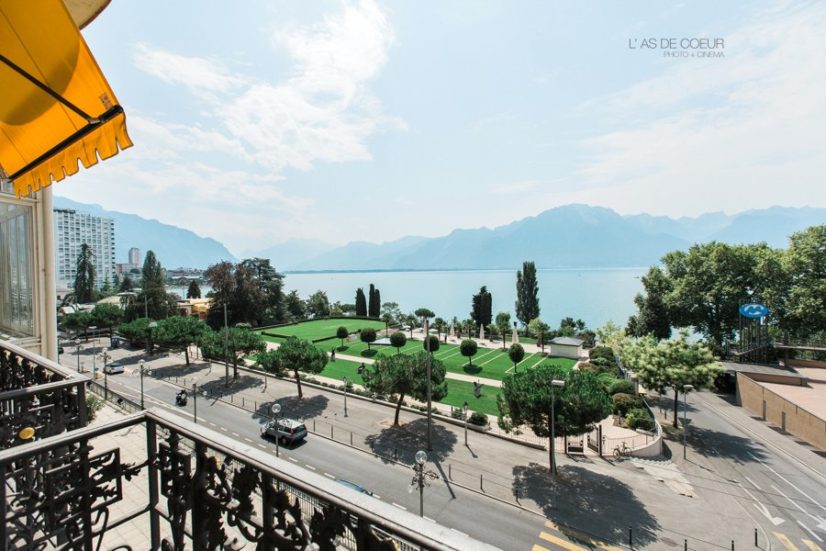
(16, 270)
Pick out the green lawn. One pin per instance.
(358, 348)
(459, 392)
(320, 329)
(343, 368)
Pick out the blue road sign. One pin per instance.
(753, 310)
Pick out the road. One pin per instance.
(480, 517)
(777, 482)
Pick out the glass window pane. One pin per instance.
(16, 270)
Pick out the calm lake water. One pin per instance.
(594, 295)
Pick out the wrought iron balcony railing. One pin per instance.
(38, 398)
(184, 486)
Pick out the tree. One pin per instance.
(178, 332)
(374, 303)
(527, 293)
(398, 340)
(194, 291)
(468, 349)
(294, 305)
(527, 397)
(368, 335)
(125, 284)
(423, 314)
(85, 275)
(296, 355)
(153, 287)
(77, 321)
(391, 313)
(539, 329)
(481, 307)
(107, 315)
(266, 286)
(406, 375)
(318, 306)
(342, 333)
(270, 361)
(516, 353)
(652, 309)
(503, 323)
(410, 320)
(440, 326)
(805, 262)
(135, 331)
(361, 303)
(240, 343)
(431, 343)
(670, 364)
(609, 334)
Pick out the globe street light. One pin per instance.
(150, 345)
(554, 383)
(686, 390)
(276, 409)
(346, 382)
(420, 476)
(142, 370)
(77, 353)
(105, 356)
(464, 409)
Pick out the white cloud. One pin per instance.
(202, 76)
(719, 133)
(514, 187)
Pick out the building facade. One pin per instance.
(72, 230)
(135, 257)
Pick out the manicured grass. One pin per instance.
(343, 368)
(493, 363)
(459, 392)
(358, 348)
(319, 329)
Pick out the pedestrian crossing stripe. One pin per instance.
(785, 541)
(565, 544)
(582, 537)
(812, 545)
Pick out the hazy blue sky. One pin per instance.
(259, 121)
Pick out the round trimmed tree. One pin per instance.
(516, 353)
(368, 335)
(398, 340)
(468, 348)
(342, 333)
(432, 343)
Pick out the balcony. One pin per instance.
(151, 479)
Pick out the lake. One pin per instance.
(593, 295)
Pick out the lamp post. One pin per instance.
(94, 351)
(555, 383)
(226, 349)
(464, 409)
(686, 390)
(142, 371)
(346, 382)
(429, 382)
(150, 345)
(276, 409)
(420, 476)
(105, 357)
(77, 353)
(195, 403)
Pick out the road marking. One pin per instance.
(224, 429)
(459, 532)
(262, 446)
(539, 548)
(777, 521)
(581, 536)
(753, 483)
(821, 522)
(812, 545)
(213, 424)
(328, 475)
(377, 496)
(785, 541)
(293, 459)
(236, 435)
(787, 481)
(565, 544)
(815, 536)
(428, 518)
(309, 467)
(402, 507)
(248, 440)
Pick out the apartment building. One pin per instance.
(73, 229)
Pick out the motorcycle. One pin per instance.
(181, 399)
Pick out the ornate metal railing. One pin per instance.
(38, 398)
(187, 487)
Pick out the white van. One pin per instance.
(113, 368)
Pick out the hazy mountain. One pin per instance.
(693, 230)
(773, 225)
(361, 255)
(175, 247)
(289, 255)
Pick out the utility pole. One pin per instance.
(226, 348)
(429, 381)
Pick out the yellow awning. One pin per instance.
(56, 107)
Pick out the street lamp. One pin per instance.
(429, 390)
(105, 374)
(77, 353)
(346, 382)
(419, 479)
(142, 371)
(150, 345)
(554, 383)
(464, 409)
(686, 390)
(276, 409)
(94, 351)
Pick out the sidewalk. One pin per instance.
(624, 495)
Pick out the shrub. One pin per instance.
(623, 386)
(638, 418)
(625, 402)
(603, 353)
(456, 413)
(93, 406)
(478, 418)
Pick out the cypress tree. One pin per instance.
(481, 312)
(85, 275)
(374, 306)
(527, 293)
(361, 303)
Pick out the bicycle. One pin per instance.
(620, 452)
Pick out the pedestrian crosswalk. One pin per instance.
(789, 545)
(564, 538)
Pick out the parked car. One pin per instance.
(113, 368)
(288, 431)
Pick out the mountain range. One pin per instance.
(175, 247)
(570, 236)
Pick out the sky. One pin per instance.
(370, 121)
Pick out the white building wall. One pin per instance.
(71, 230)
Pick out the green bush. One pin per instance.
(623, 386)
(625, 402)
(478, 418)
(93, 406)
(457, 413)
(639, 418)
